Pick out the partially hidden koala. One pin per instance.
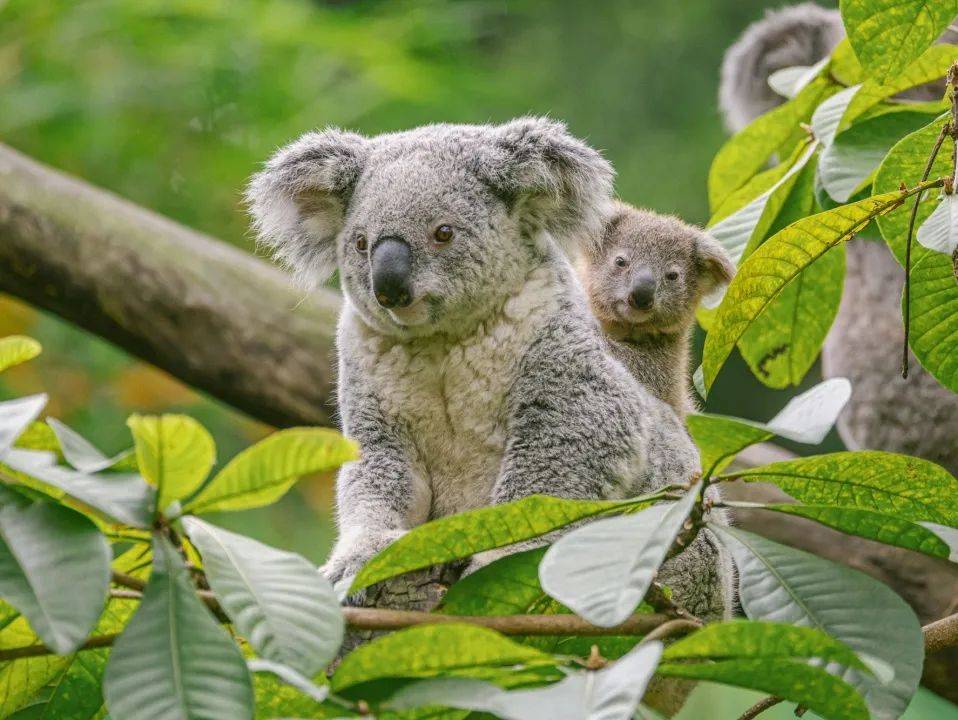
(471, 371)
(644, 279)
(915, 416)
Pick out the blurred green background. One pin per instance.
(174, 104)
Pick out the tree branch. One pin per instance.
(760, 707)
(204, 311)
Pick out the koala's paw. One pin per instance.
(348, 559)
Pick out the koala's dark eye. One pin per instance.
(444, 233)
(621, 261)
(361, 243)
(672, 275)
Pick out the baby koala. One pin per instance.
(644, 278)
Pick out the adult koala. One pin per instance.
(470, 369)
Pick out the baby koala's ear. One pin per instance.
(557, 182)
(299, 200)
(715, 267)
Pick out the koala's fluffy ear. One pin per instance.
(555, 181)
(299, 200)
(716, 268)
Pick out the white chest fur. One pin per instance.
(451, 396)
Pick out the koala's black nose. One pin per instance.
(643, 290)
(392, 272)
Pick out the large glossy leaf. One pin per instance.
(908, 487)
(124, 497)
(931, 66)
(755, 639)
(940, 231)
(857, 152)
(749, 224)
(174, 453)
(173, 662)
(459, 536)
(21, 679)
(777, 263)
(264, 472)
(16, 416)
(80, 452)
(278, 600)
(888, 35)
(782, 584)
(608, 694)
(827, 695)
(883, 528)
(16, 349)
(806, 418)
(746, 153)
(934, 292)
(55, 569)
(433, 650)
(782, 344)
(603, 570)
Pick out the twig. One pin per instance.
(134, 583)
(941, 634)
(945, 131)
(98, 641)
(672, 627)
(760, 707)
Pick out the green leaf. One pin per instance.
(608, 694)
(746, 153)
(888, 35)
(277, 600)
(432, 650)
(21, 679)
(589, 571)
(909, 487)
(778, 262)
(16, 416)
(787, 585)
(806, 418)
(465, 534)
(44, 550)
(79, 452)
(755, 639)
(934, 292)
(510, 586)
(872, 525)
(749, 225)
(291, 676)
(828, 115)
(810, 686)
(124, 497)
(174, 454)
(173, 662)
(16, 349)
(781, 345)
(264, 472)
(856, 153)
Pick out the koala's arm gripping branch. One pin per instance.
(206, 312)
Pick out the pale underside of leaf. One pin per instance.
(16, 349)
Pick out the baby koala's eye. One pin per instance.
(361, 243)
(672, 275)
(444, 233)
(621, 261)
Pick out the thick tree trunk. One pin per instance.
(206, 312)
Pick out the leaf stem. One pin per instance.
(760, 707)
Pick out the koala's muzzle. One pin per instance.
(642, 294)
(392, 272)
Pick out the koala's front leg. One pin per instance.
(378, 499)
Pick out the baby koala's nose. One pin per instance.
(643, 292)
(392, 272)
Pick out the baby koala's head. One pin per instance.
(648, 272)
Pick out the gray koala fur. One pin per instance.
(494, 382)
(653, 343)
(916, 416)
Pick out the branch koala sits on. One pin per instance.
(470, 369)
(644, 279)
